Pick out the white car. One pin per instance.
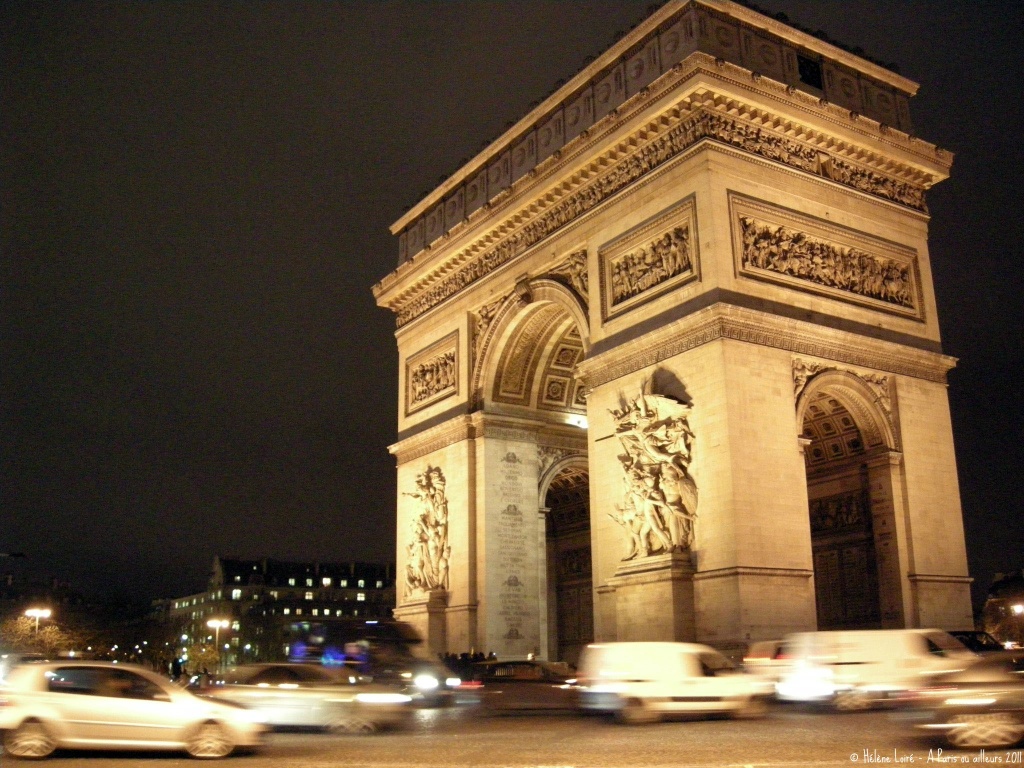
(646, 681)
(864, 668)
(45, 706)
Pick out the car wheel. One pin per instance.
(634, 712)
(30, 740)
(852, 701)
(209, 740)
(752, 709)
(976, 731)
(352, 724)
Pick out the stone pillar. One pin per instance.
(509, 531)
(653, 598)
(892, 540)
(426, 612)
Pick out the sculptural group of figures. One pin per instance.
(665, 257)
(660, 497)
(789, 252)
(428, 552)
(433, 376)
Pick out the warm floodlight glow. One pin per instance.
(37, 614)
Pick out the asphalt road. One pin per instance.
(456, 738)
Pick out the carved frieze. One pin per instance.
(573, 272)
(432, 374)
(805, 370)
(840, 513)
(482, 320)
(703, 122)
(659, 506)
(656, 257)
(427, 550)
(798, 251)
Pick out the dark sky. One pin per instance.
(194, 204)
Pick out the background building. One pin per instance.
(259, 599)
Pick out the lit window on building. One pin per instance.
(287, 611)
(327, 611)
(344, 582)
(238, 579)
(362, 583)
(298, 611)
(291, 582)
(309, 595)
(380, 584)
(316, 611)
(236, 594)
(309, 582)
(273, 593)
(360, 596)
(235, 626)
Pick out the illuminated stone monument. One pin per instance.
(670, 363)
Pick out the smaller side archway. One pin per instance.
(565, 501)
(854, 489)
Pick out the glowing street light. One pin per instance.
(217, 625)
(37, 614)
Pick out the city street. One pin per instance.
(456, 738)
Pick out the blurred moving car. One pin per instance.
(860, 669)
(979, 707)
(767, 659)
(100, 705)
(9, 661)
(647, 681)
(312, 696)
(979, 642)
(387, 651)
(529, 685)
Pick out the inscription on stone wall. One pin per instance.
(432, 374)
(513, 549)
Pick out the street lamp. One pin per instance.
(37, 614)
(217, 625)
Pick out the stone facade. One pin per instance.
(710, 311)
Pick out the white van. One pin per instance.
(646, 681)
(857, 669)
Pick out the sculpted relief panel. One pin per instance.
(428, 552)
(432, 374)
(657, 256)
(659, 505)
(791, 249)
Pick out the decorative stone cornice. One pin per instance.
(703, 114)
(740, 324)
(434, 439)
(744, 570)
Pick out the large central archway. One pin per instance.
(531, 353)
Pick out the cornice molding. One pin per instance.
(434, 439)
(703, 114)
(739, 324)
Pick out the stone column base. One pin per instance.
(653, 598)
(426, 613)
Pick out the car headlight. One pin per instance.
(453, 682)
(425, 682)
(383, 698)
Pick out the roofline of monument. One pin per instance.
(642, 30)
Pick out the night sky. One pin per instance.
(194, 204)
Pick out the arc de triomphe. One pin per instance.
(670, 364)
